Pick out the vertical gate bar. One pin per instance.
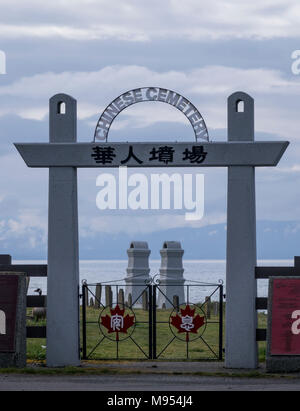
(221, 323)
(154, 323)
(187, 342)
(79, 345)
(150, 296)
(84, 321)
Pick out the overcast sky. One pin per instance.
(95, 50)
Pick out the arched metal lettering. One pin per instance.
(140, 95)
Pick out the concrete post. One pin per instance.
(241, 316)
(138, 271)
(171, 274)
(63, 257)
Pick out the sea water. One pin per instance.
(204, 272)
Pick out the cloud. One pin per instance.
(144, 224)
(103, 32)
(295, 168)
(192, 47)
(137, 20)
(27, 227)
(207, 81)
(207, 87)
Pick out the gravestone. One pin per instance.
(129, 301)
(145, 301)
(12, 320)
(208, 307)
(108, 295)
(216, 308)
(121, 298)
(176, 303)
(171, 279)
(98, 295)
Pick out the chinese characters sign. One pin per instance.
(285, 316)
(115, 322)
(8, 307)
(137, 155)
(147, 154)
(187, 323)
(150, 94)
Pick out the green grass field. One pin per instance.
(137, 345)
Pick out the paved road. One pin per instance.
(143, 383)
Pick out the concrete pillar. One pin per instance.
(138, 271)
(171, 274)
(241, 315)
(63, 258)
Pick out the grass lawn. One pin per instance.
(136, 346)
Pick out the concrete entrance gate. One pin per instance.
(63, 155)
